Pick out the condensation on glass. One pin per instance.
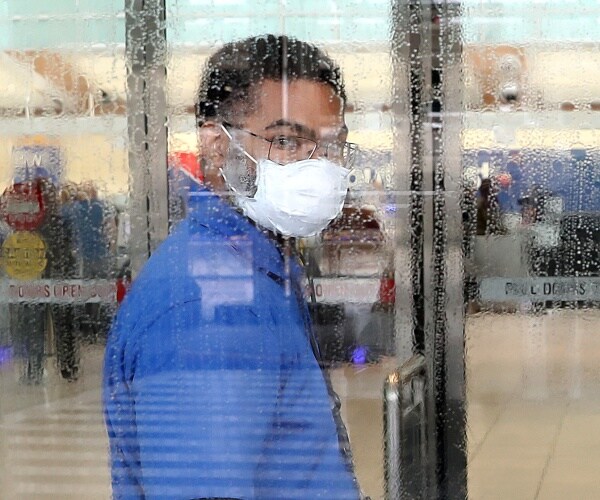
(350, 266)
(470, 236)
(76, 203)
(64, 184)
(530, 162)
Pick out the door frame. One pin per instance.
(426, 43)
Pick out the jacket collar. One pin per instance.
(212, 212)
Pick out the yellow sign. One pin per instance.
(24, 255)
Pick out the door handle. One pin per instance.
(404, 413)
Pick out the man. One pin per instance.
(212, 387)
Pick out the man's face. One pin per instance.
(300, 108)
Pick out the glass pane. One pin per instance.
(64, 185)
(530, 160)
(346, 270)
(249, 356)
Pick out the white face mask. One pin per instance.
(298, 199)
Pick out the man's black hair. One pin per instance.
(232, 72)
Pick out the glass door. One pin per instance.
(103, 133)
(435, 340)
(350, 266)
(520, 137)
(503, 249)
(65, 235)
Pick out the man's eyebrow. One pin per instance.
(296, 127)
(302, 129)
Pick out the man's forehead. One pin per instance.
(298, 102)
(296, 125)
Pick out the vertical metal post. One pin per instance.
(428, 47)
(146, 55)
(407, 227)
(447, 258)
(415, 323)
(415, 177)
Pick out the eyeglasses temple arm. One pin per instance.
(240, 147)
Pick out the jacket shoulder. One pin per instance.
(190, 265)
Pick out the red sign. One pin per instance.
(22, 206)
(188, 161)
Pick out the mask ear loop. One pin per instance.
(248, 155)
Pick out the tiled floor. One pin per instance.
(52, 439)
(533, 416)
(534, 405)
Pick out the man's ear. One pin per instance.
(212, 143)
(212, 149)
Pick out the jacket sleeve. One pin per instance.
(119, 415)
(190, 404)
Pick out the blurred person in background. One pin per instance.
(62, 265)
(92, 224)
(489, 216)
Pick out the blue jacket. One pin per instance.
(211, 388)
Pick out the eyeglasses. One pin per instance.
(284, 149)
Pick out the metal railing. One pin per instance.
(405, 429)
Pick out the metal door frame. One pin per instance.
(449, 333)
(427, 43)
(146, 58)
